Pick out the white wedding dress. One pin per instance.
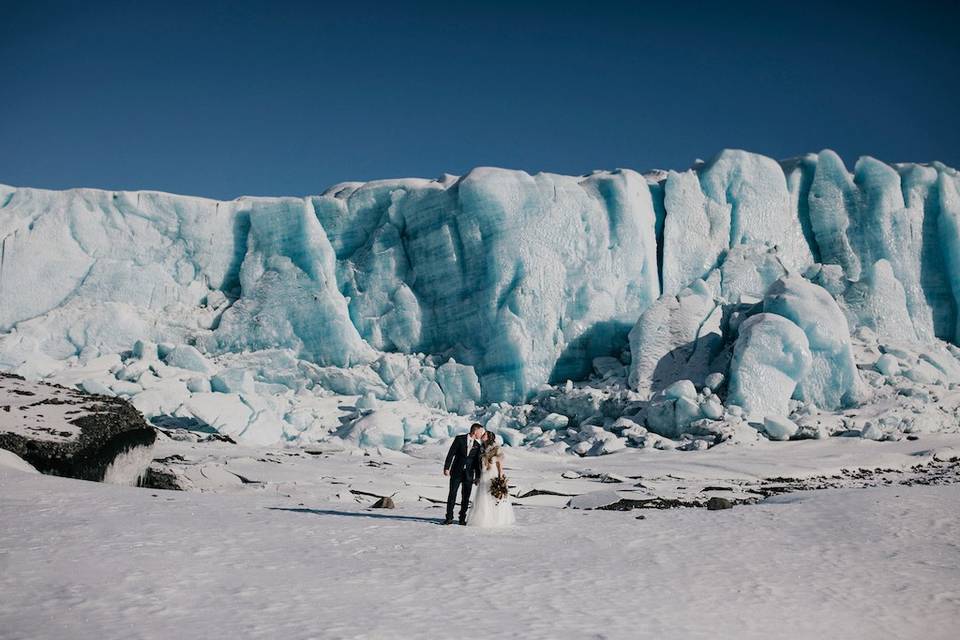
(486, 511)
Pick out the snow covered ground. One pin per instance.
(741, 472)
(294, 551)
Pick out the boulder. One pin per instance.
(717, 503)
(385, 502)
(187, 357)
(779, 428)
(66, 432)
(554, 421)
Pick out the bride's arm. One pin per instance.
(499, 467)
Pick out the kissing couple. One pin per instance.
(475, 458)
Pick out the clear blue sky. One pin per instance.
(229, 98)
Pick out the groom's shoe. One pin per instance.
(448, 521)
(463, 522)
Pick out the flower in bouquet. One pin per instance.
(498, 487)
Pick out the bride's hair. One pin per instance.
(490, 452)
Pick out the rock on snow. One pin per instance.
(69, 433)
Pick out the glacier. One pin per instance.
(501, 296)
(525, 278)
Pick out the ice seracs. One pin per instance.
(676, 338)
(833, 380)
(772, 355)
(288, 291)
(735, 199)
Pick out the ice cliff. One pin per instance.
(493, 287)
(526, 278)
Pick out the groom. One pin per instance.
(463, 467)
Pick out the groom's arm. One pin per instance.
(449, 460)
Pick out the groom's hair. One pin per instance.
(475, 426)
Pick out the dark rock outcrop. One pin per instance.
(156, 477)
(66, 432)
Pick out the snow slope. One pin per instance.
(88, 560)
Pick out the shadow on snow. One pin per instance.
(357, 514)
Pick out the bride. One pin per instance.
(488, 511)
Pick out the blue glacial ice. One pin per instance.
(288, 291)
(878, 301)
(525, 278)
(461, 292)
(737, 198)
(833, 380)
(948, 194)
(676, 338)
(771, 357)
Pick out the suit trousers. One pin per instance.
(459, 481)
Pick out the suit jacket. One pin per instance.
(462, 463)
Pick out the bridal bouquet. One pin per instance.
(498, 487)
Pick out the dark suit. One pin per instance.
(464, 468)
